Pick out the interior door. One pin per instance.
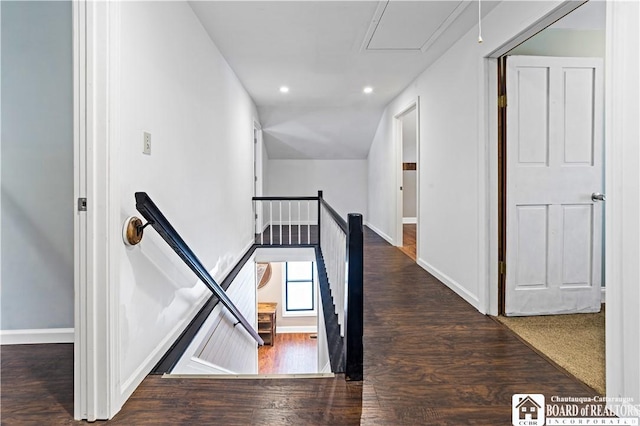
(554, 167)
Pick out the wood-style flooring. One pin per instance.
(292, 353)
(409, 240)
(430, 358)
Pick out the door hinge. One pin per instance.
(82, 204)
(502, 267)
(256, 216)
(256, 178)
(502, 101)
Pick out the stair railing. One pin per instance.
(342, 247)
(159, 222)
(285, 220)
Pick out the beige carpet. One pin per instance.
(574, 342)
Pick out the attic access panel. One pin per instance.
(411, 25)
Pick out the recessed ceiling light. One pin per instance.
(368, 89)
(284, 89)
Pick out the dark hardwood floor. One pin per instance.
(291, 353)
(430, 358)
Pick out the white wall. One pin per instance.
(453, 176)
(273, 292)
(564, 42)
(37, 167)
(343, 182)
(175, 84)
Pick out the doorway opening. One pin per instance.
(278, 290)
(550, 180)
(407, 143)
(258, 175)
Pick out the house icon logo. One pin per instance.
(527, 409)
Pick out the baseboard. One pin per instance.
(603, 295)
(409, 220)
(36, 336)
(380, 233)
(451, 283)
(296, 329)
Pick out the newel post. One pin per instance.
(354, 311)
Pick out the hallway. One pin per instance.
(430, 358)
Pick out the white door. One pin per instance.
(554, 165)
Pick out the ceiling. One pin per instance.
(326, 52)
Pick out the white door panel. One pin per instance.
(554, 164)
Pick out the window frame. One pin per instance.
(285, 292)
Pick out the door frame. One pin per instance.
(257, 175)
(397, 140)
(97, 231)
(491, 197)
(620, 295)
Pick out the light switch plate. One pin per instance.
(146, 147)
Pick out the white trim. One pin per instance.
(257, 174)
(445, 25)
(36, 336)
(249, 376)
(314, 288)
(488, 164)
(562, 10)
(451, 283)
(488, 224)
(409, 220)
(97, 231)
(296, 329)
(397, 166)
(622, 236)
(380, 233)
(79, 219)
(603, 295)
(375, 19)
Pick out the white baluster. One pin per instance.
(261, 227)
(289, 222)
(270, 222)
(280, 227)
(308, 222)
(299, 220)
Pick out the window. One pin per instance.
(299, 290)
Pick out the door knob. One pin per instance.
(596, 196)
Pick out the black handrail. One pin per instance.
(335, 216)
(307, 198)
(154, 216)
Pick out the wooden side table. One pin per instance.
(267, 322)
